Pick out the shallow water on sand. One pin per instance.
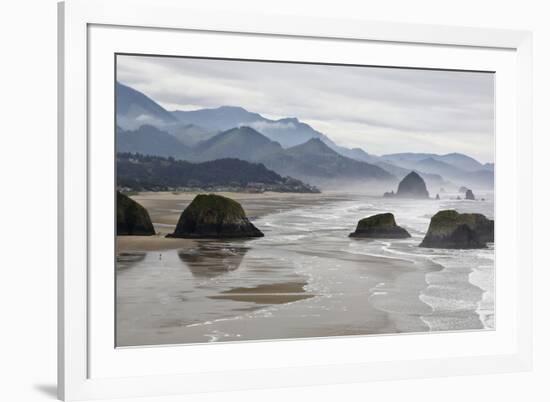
(307, 278)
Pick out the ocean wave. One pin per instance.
(311, 243)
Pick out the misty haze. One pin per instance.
(262, 200)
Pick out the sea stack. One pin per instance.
(131, 217)
(449, 229)
(412, 186)
(469, 195)
(380, 226)
(214, 216)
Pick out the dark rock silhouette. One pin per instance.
(214, 216)
(437, 197)
(469, 195)
(412, 186)
(380, 226)
(449, 229)
(131, 217)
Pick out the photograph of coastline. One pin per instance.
(262, 200)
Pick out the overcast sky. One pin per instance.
(382, 110)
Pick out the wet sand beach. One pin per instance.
(275, 293)
(165, 208)
(305, 278)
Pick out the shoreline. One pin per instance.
(270, 306)
(275, 288)
(455, 310)
(486, 316)
(165, 208)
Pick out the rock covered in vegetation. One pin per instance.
(469, 195)
(214, 216)
(449, 229)
(380, 226)
(131, 217)
(138, 172)
(463, 189)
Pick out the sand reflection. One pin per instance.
(213, 258)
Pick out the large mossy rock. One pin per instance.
(449, 229)
(412, 186)
(380, 226)
(214, 216)
(131, 217)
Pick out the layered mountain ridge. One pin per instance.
(287, 146)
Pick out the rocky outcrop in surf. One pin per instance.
(412, 186)
(131, 217)
(381, 226)
(214, 216)
(469, 195)
(450, 229)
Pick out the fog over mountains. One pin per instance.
(287, 146)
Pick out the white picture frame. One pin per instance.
(90, 367)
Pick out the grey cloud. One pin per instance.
(445, 111)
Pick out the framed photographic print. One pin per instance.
(256, 201)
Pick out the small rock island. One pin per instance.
(412, 186)
(469, 195)
(380, 226)
(450, 229)
(132, 218)
(214, 216)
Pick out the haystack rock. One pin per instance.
(381, 226)
(412, 186)
(131, 217)
(449, 229)
(214, 216)
(469, 195)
